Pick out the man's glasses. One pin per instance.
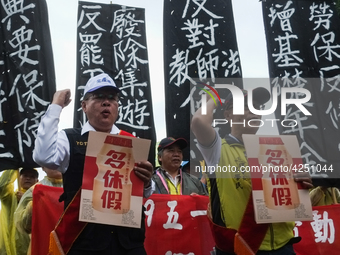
(102, 97)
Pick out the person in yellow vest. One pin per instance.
(169, 177)
(230, 211)
(9, 202)
(23, 212)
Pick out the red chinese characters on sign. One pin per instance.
(115, 159)
(275, 157)
(281, 196)
(112, 199)
(281, 193)
(112, 186)
(279, 188)
(113, 180)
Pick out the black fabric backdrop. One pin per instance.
(111, 38)
(303, 41)
(199, 43)
(27, 79)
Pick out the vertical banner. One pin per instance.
(112, 39)
(303, 39)
(199, 43)
(27, 79)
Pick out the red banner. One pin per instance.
(182, 224)
(319, 236)
(46, 212)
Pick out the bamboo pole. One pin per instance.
(335, 201)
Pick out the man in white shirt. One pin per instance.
(65, 151)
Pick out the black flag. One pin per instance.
(111, 38)
(27, 79)
(303, 39)
(199, 43)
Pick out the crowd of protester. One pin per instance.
(62, 157)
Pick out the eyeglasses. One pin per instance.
(102, 97)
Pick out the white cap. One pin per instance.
(99, 81)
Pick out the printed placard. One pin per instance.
(272, 162)
(111, 192)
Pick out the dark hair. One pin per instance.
(26, 169)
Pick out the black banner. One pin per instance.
(27, 79)
(111, 38)
(199, 43)
(303, 39)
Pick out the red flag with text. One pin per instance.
(181, 222)
(46, 212)
(183, 226)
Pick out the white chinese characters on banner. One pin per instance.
(126, 56)
(174, 217)
(292, 64)
(23, 49)
(323, 227)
